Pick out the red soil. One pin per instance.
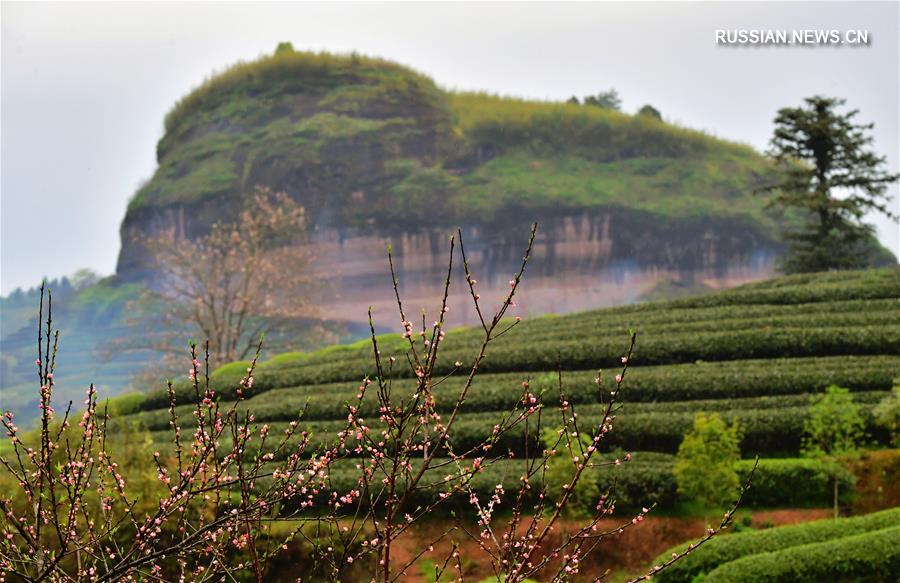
(630, 551)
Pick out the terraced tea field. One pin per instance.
(755, 354)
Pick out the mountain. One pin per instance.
(379, 153)
(629, 206)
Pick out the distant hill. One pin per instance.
(629, 206)
(378, 152)
(93, 336)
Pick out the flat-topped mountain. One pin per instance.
(377, 152)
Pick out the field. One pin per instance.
(755, 354)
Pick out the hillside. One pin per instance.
(755, 354)
(94, 334)
(378, 152)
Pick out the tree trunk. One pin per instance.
(836, 508)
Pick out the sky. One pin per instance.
(84, 86)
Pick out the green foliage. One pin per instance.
(868, 556)
(887, 413)
(650, 111)
(126, 404)
(794, 320)
(561, 470)
(705, 466)
(790, 482)
(284, 47)
(832, 433)
(647, 478)
(834, 427)
(291, 71)
(605, 99)
(473, 156)
(725, 549)
(826, 153)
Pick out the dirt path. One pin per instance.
(628, 552)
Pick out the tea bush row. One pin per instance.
(725, 549)
(868, 556)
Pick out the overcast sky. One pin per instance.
(85, 86)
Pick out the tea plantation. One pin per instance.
(755, 354)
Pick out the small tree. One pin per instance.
(833, 179)
(650, 111)
(887, 413)
(240, 281)
(606, 99)
(832, 433)
(284, 47)
(705, 464)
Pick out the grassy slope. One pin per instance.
(491, 155)
(756, 354)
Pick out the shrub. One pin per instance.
(562, 467)
(832, 433)
(726, 549)
(887, 413)
(705, 464)
(791, 482)
(868, 556)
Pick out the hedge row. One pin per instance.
(829, 314)
(331, 403)
(884, 285)
(724, 549)
(648, 478)
(765, 431)
(575, 354)
(791, 482)
(635, 483)
(868, 556)
(826, 277)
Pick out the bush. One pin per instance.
(705, 464)
(887, 414)
(868, 556)
(561, 467)
(717, 380)
(730, 548)
(793, 482)
(648, 478)
(765, 431)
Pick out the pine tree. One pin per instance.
(833, 178)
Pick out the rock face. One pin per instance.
(578, 262)
(376, 153)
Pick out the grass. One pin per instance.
(296, 72)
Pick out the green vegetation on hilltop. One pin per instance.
(295, 72)
(331, 129)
